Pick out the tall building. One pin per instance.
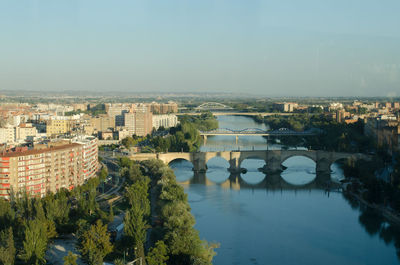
(117, 109)
(48, 168)
(139, 121)
(103, 123)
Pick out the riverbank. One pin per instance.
(392, 217)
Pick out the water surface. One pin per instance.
(281, 219)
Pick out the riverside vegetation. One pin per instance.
(27, 225)
(173, 238)
(158, 225)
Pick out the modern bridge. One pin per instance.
(257, 132)
(273, 159)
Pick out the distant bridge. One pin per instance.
(213, 106)
(257, 132)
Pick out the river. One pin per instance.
(292, 222)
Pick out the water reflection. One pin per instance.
(292, 217)
(299, 170)
(375, 224)
(217, 174)
(253, 176)
(217, 170)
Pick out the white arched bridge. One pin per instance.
(213, 106)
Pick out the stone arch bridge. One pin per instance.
(273, 158)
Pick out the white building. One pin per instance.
(165, 120)
(7, 135)
(23, 131)
(90, 163)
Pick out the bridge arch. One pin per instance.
(213, 106)
(261, 155)
(179, 159)
(289, 154)
(167, 158)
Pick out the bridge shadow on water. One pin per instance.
(248, 180)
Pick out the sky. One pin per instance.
(271, 48)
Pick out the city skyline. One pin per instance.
(338, 48)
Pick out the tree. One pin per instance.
(137, 194)
(70, 259)
(103, 174)
(128, 142)
(35, 243)
(6, 214)
(95, 244)
(135, 227)
(7, 247)
(158, 255)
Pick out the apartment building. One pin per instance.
(25, 130)
(7, 135)
(48, 167)
(102, 123)
(139, 121)
(163, 108)
(165, 120)
(56, 127)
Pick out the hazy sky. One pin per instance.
(275, 48)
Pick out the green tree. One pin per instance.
(35, 243)
(135, 227)
(95, 244)
(103, 174)
(70, 259)
(7, 247)
(137, 194)
(6, 214)
(158, 255)
(128, 142)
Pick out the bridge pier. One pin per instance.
(199, 165)
(234, 166)
(199, 178)
(273, 165)
(323, 171)
(204, 139)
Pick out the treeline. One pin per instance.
(203, 122)
(27, 225)
(176, 224)
(185, 137)
(334, 136)
(96, 110)
(173, 239)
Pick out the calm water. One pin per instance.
(282, 219)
